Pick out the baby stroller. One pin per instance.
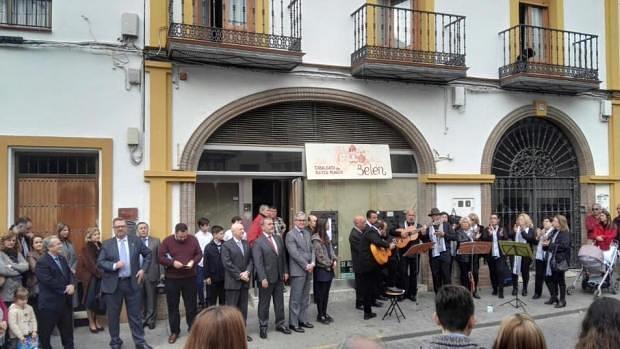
(597, 269)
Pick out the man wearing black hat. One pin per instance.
(441, 233)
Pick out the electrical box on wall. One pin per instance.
(463, 206)
(130, 25)
(458, 96)
(605, 110)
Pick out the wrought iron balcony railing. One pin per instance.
(408, 36)
(272, 24)
(552, 52)
(29, 14)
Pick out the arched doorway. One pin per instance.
(193, 150)
(537, 165)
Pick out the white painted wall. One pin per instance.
(68, 25)
(447, 192)
(71, 93)
(210, 88)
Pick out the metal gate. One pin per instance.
(540, 198)
(537, 173)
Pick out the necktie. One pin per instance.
(146, 243)
(59, 265)
(241, 247)
(273, 244)
(124, 272)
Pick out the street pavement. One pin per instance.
(561, 326)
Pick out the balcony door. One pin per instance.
(227, 14)
(535, 37)
(394, 24)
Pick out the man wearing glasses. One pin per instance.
(122, 278)
(592, 219)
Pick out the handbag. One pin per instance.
(555, 266)
(98, 305)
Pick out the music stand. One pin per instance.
(418, 249)
(474, 248)
(516, 249)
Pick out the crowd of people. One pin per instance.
(213, 268)
(551, 243)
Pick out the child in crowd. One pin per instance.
(214, 268)
(454, 313)
(22, 321)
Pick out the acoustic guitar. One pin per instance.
(380, 254)
(403, 242)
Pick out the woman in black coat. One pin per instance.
(558, 257)
(468, 263)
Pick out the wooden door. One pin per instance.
(50, 200)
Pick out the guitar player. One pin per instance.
(408, 267)
(368, 266)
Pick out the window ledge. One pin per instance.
(25, 28)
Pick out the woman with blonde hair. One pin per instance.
(217, 327)
(90, 276)
(523, 231)
(468, 263)
(519, 331)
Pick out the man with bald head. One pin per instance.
(359, 224)
(238, 266)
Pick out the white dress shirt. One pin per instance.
(203, 240)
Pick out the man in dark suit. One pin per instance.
(55, 294)
(238, 266)
(269, 256)
(151, 278)
(440, 233)
(122, 275)
(214, 268)
(369, 268)
(355, 237)
(301, 264)
(408, 266)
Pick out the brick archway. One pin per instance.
(564, 123)
(194, 147)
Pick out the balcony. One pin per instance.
(248, 33)
(400, 43)
(548, 60)
(26, 14)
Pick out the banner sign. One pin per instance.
(348, 161)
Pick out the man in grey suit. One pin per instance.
(238, 265)
(151, 278)
(301, 264)
(269, 256)
(122, 276)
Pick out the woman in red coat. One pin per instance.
(90, 276)
(604, 232)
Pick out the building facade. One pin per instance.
(486, 106)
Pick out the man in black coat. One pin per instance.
(269, 254)
(55, 294)
(122, 278)
(214, 268)
(369, 268)
(238, 267)
(496, 260)
(441, 233)
(355, 237)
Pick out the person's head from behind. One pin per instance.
(217, 327)
(21, 297)
(454, 309)
(600, 328)
(519, 331)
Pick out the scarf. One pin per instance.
(439, 244)
(516, 267)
